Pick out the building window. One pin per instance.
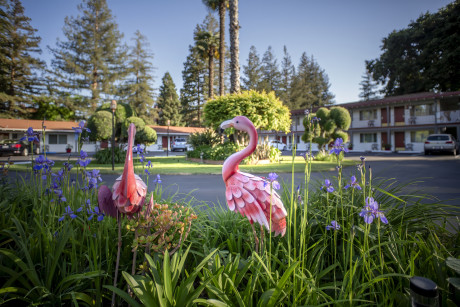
(57, 139)
(368, 137)
(298, 139)
(423, 110)
(367, 114)
(420, 136)
(297, 121)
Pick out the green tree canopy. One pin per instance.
(310, 86)
(144, 134)
(91, 59)
(265, 110)
(252, 71)
(18, 65)
(422, 57)
(100, 125)
(168, 102)
(330, 125)
(137, 88)
(47, 108)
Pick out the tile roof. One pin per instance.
(177, 130)
(24, 124)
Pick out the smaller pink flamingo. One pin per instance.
(128, 196)
(247, 194)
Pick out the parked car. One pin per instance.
(179, 144)
(278, 144)
(142, 146)
(440, 143)
(16, 147)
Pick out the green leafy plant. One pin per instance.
(167, 284)
(207, 138)
(104, 156)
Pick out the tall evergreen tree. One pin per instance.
(91, 59)
(168, 102)
(368, 87)
(19, 80)
(193, 89)
(252, 71)
(310, 86)
(221, 6)
(271, 76)
(287, 75)
(422, 57)
(137, 89)
(206, 45)
(235, 86)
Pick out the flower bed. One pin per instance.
(349, 241)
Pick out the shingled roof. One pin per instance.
(24, 124)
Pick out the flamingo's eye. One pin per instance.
(237, 122)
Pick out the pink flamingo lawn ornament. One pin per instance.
(128, 196)
(247, 194)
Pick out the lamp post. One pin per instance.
(167, 144)
(113, 107)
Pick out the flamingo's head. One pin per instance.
(239, 123)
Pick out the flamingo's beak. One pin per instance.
(226, 124)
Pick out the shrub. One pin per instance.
(208, 137)
(323, 156)
(263, 152)
(216, 153)
(104, 156)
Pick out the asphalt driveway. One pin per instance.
(437, 175)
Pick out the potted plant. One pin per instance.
(68, 148)
(386, 146)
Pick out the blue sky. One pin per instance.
(340, 35)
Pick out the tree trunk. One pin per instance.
(222, 47)
(211, 73)
(234, 48)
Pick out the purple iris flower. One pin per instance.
(69, 212)
(149, 164)
(31, 136)
(147, 172)
(328, 186)
(275, 184)
(83, 161)
(158, 180)
(95, 212)
(334, 225)
(80, 128)
(338, 147)
(353, 184)
(371, 211)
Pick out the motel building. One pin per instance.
(392, 124)
(59, 136)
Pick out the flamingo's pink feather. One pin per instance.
(253, 201)
(105, 201)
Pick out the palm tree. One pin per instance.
(206, 45)
(234, 48)
(221, 6)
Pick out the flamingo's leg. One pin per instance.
(256, 239)
(262, 235)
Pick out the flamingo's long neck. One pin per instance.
(128, 180)
(231, 164)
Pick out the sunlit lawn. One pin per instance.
(179, 165)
